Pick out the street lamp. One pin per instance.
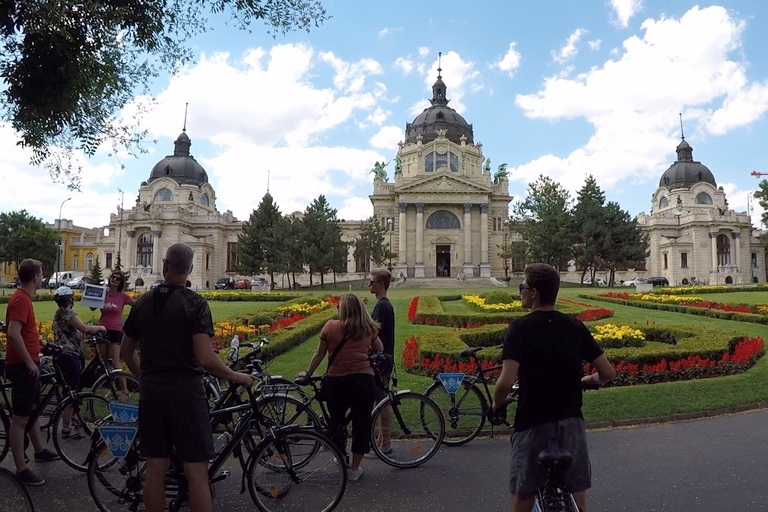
(389, 227)
(58, 249)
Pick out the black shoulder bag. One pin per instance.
(323, 391)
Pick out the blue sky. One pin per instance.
(561, 88)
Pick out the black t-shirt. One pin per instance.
(551, 348)
(384, 313)
(163, 322)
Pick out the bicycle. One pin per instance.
(465, 412)
(108, 383)
(13, 495)
(417, 425)
(290, 468)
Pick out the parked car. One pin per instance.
(659, 281)
(13, 284)
(242, 284)
(598, 280)
(636, 281)
(225, 283)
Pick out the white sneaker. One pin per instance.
(355, 475)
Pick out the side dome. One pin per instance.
(684, 173)
(439, 116)
(180, 166)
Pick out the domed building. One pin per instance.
(694, 236)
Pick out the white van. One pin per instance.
(62, 278)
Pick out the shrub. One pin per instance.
(295, 334)
(261, 319)
(498, 297)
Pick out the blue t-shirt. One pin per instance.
(384, 313)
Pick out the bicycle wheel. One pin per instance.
(5, 427)
(464, 412)
(283, 410)
(277, 484)
(415, 432)
(13, 496)
(110, 387)
(83, 414)
(116, 484)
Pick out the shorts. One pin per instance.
(525, 475)
(182, 427)
(25, 389)
(113, 337)
(71, 366)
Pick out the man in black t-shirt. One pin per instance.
(384, 313)
(173, 328)
(545, 350)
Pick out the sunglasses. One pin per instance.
(522, 287)
(115, 277)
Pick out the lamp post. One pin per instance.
(58, 248)
(389, 227)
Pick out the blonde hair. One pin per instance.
(355, 318)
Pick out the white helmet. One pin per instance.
(63, 291)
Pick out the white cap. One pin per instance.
(63, 291)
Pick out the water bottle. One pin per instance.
(234, 345)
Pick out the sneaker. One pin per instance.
(75, 433)
(27, 477)
(46, 456)
(355, 475)
(372, 454)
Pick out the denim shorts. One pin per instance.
(525, 475)
(179, 426)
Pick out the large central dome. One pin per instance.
(685, 172)
(439, 116)
(180, 166)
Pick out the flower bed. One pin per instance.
(223, 295)
(613, 336)
(478, 304)
(699, 290)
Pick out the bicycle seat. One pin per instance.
(554, 455)
(307, 380)
(469, 351)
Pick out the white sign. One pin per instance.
(93, 296)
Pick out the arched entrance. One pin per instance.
(443, 260)
(729, 280)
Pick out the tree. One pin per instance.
(589, 227)
(543, 220)
(625, 245)
(372, 242)
(68, 67)
(294, 249)
(95, 277)
(762, 198)
(23, 236)
(261, 247)
(322, 238)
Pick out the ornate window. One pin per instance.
(666, 261)
(164, 194)
(144, 249)
(663, 202)
(723, 250)
(204, 200)
(232, 256)
(429, 162)
(454, 162)
(108, 260)
(441, 160)
(519, 256)
(74, 261)
(88, 261)
(363, 262)
(703, 198)
(684, 260)
(443, 219)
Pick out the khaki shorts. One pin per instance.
(525, 475)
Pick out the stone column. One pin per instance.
(713, 245)
(156, 258)
(402, 258)
(737, 243)
(467, 268)
(485, 263)
(419, 268)
(129, 257)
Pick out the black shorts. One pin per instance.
(183, 426)
(71, 366)
(113, 337)
(25, 389)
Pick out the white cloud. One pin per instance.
(404, 64)
(624, 10)
(511, 61)
(459, 76)
(595, 44)
(387, 137)
(350, 77)
(378, 116)
(383, 32)
(355, 208)
(632, 102)
(424, 51)
(568, 51)
(386, 31)
(418, 107)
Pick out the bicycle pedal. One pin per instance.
(221, 476)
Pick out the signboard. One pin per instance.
(118, 439)
(451, 381)
(93, 296)
(124, 413)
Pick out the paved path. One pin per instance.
(714, 465)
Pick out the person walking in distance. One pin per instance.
(173, 328)
(384, 313)
(112, 318)
(545, 351)
(22, 367)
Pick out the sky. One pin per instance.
(563, 88)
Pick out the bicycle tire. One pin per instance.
(5, 428)
(464, 412)
(91, 411)
(276, 484)
(116, 484)
(13, 495)
(107, 387)
(416, 433)
(279, 411)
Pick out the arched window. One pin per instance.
(454, 162)
(703, 198)
(163, 195)
(729, 280)
(443, 219)
(429, 162)
(144, 247)
(723, 250)
(88, 261)
(204, 199)
(441, 160)
(663, 202)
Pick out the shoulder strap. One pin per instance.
(336, 352)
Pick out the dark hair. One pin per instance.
(64, 300)
(382, 276)
(28, 269)
(545, 279)
(120, 273)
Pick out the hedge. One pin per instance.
(225, 296)
(283, 340)
(702, 290)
